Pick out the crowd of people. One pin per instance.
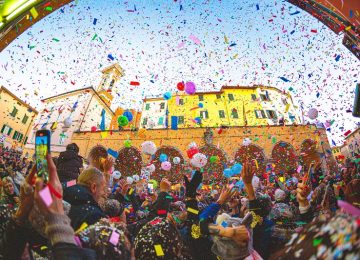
(83, 212)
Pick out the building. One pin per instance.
(16, 119)
(231, 106)
(336, 151)
(154, 114)
(86, 109)
(351, 147)
(133, 124)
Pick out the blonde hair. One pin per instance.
(89, 176)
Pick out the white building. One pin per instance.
(78, 110)
(154, 113)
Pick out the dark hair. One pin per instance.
(72, 147)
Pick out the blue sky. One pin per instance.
(270, 43)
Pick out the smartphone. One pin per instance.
(42, 147)
(150, 188)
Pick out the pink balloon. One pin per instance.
(166, 166)
(190, 88)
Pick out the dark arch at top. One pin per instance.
(284, 158)
(334, 14)
(213, 169)
(252, 151)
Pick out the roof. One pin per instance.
(112, 66)
(221, 91)
(18, 99)
(351, 134)
(80, 90)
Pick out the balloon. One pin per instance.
(199, 160)
(67, 122)
(240, 185)
(246, 141)
(148, 147)
(190, 88)
(313, 113)
(136, 178)
(116, 175)
(150, 168)
(129, 180)
(163, 157)
(255, 182)
(166, 166)
(201, 105)
(93, 129)
(154, 183)
(176, 160)
(180, 86)
(128, 115)
(192, 151)
(213, 159)
(237, 167)
(192, 144)
(167, 95)
(127, 143)
(123, 121)
(228, 173)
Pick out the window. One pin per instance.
(162, 105)
(253, 97)
(180, 120)
(145, 121)
(6, 130)
(25, 119)
(204, 114)
(271, 114)
(14, 112)
(181, 102)
(221, 113)
(147, 106)
(161, 121)
(26, 138)
(16, 135)
(231, 97)
(234, 113)
(260, 114)
(3, 129)
(264, 97)
(201, 97)
(284, 100)
(218, 96)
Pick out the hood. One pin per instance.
(78, 195)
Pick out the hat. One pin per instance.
(159, 239)
(109, 240)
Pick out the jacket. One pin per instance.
(84, 209)
(68, 166)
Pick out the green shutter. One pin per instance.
(9, 132)
(3, 128)
(26, 138)
(256, 114)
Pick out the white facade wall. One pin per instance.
(276, 104)
(154, 117)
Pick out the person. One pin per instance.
(69, 163)
(8, 194)
(85, 196)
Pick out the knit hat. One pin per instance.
(109, 240)
(279, 195)
(159, 239)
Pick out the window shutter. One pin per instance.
(256, 114)
(3, 128)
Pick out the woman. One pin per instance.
(8, 195)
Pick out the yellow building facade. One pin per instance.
(231, 106)
(16, 118)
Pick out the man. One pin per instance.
(85, 197)
(69, 163)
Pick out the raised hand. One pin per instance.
(302, 192)
(108, 164)
(192, 185)
(247, 173)
(225, 195)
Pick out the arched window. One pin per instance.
(129, 161)
(251, 152)
(213, 170)
(284, 158)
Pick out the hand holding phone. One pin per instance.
(42, 148)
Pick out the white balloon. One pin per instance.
(255, 182)
(246, 141)
(136, 178)
(68, 122)
(116, 175)
(313, 113)
(176, 160)
(129, 180)
(148, 148)
(199, 160)
(150, 168)
(192, 145)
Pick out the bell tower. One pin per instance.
(111, 75)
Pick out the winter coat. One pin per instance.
(84, 209)
(68, 166)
